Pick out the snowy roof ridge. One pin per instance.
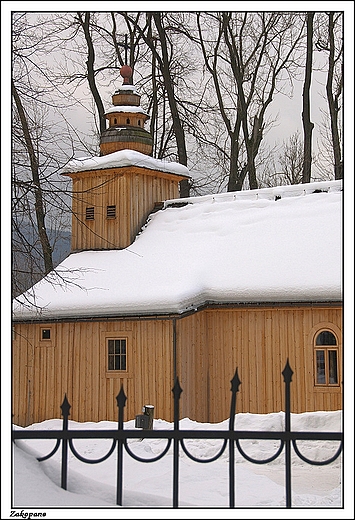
(274, 193)
(123, 158)
(131, 88)
(125, 108)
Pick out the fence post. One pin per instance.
(176, 393)
(287, 373)
(65, 413)
(121, 402)
(148, 410)
(235, 382)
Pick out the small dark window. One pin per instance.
(333, 367)
(117, 354)
(90, 213)
(111, 212)
(46, 334)
(128, 121)
(139, 122)
(115, 121)
(320, 360)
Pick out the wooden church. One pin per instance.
(158, 286)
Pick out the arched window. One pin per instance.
(326, 357)
(115, 121)
(139, 122)
(128, 121)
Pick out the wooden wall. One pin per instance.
(210, 344)
(74, 363)
(258, 341)
(134, 192)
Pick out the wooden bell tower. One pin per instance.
(113, 194)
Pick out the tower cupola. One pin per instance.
(113, 194)
(126, 121)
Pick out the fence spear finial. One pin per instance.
(121, 398)
(287, 372)
(65, 407)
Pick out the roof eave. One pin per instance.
(178, 315)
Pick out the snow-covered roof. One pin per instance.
(124, 158)
(125, 108)
(270, 245)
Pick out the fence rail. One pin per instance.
(231, 438)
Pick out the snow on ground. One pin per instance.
(201, 486)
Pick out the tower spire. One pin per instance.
(126, 120)
(126, 73)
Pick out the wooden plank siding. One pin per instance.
(193, 365)
(210, 345)
(134, 191)
(74, 363)
(261, 339)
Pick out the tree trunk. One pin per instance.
(85, 24)
(177, 125)
(306, 117)
(333, 102)
(39, 206)
(233, 166)
(178, 128)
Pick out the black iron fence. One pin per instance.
(177, 437)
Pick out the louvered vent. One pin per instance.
(111, 212)
(90, 214)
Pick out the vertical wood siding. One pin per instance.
(258, 341)
(210, 344)
(74, 363)
(134, 192)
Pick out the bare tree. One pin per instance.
(333, 44)
(291, 160)
(42, 142)
(164, 61)
(308, 126)
(39, 206)
(254, 53)
(84, 21)
(162, 49)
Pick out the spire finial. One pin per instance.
(126, 73)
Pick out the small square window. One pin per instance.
(45, 333)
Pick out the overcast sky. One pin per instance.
(289, 110)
